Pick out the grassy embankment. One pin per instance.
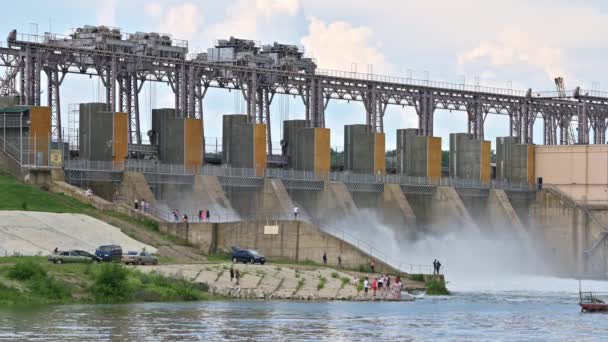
(15, 195)
(33, 281)
(434, 286)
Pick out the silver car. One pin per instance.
(140, 258)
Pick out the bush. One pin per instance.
(111, 284)
(345, 281)
(26, 270)
(321, 284)
(48, 288)
(365, 269)
(335, 275)
(435, 287)
(360, 285)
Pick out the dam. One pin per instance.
(544, 205)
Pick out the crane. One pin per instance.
(561, 93)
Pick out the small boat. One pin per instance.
(592, 301)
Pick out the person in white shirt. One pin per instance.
(366, 285)
(295, 213)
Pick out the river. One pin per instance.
(508, 309)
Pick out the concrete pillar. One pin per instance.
(469, 158)
(514, 161)
(503, 216)
(364, 151)
(307, 148)
(402, 135)
(243, 143)
(179, 139)
(336, 204)
(418, 156)
(275, 201)
(135, 187)
(104, 136)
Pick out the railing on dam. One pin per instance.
(152, 167)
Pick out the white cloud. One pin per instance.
(339, 44)
(244, 17)
(182, 21)
(516, 47)
(106, 13)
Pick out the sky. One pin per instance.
(509, 44)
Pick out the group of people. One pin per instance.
(235, 274)
(383, 285)
(141, 205)
(436, 266)
(204, 215)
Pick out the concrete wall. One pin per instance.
(567, 232)
(581, 171)
(395, 208)
(449, 212)
(422, 155)
(290, 141)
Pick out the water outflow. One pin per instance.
(493, 260)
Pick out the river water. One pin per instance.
(507, 309)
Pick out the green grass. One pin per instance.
(322, 282)
(18, 196)
(300, 284)
(335, 275)
(219, 257)
(33, 281)
(436, 287)
(345, 281)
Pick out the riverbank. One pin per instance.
(281, 281)
(35, 281)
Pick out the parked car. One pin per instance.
(139, 258)
(72, 256)
(247, 256)
(111, 253)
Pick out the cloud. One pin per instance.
(339, 44)
(513, 48)
(243, 17)
(182, 21)
(106, 13)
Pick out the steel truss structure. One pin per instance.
(123, 75)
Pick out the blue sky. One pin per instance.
(516, 43)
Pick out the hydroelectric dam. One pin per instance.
(540, 208)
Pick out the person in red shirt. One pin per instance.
(374, 286)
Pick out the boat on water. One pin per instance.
(592, 301)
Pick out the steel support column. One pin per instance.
(425, 108)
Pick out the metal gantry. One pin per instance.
(124, 62)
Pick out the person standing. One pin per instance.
(372, 264)
(200, 216)
(438, 267)
(374, 286)
(136, 204)
(295, 213)
(147, 208)
(339, 261)
(141, 205)
(237, 275)
(381, 282)
(388, 282)
(231, 274)
(434, 266)
(366, 286)
(324, 258)
(207, 215)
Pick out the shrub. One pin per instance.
(48, 287)
(360, 285)
(25, 270)
(111, 284)
(364, 269)
(345, 281)
(435, 287)
(335, 275)
(322, 281)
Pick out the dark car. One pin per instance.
(111, 253)
(247, 256)
(86, 254)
